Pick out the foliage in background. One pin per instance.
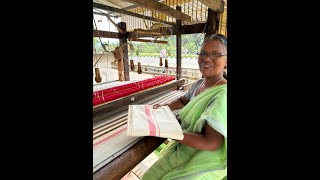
(191, 44)
(109, 45)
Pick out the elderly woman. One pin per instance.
(202, 154)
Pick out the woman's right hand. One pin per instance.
(156, 106)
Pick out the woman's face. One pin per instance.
(212, 65)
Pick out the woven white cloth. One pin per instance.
(143, 120)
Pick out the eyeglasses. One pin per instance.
(212, 55)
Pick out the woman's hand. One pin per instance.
(178, 103)
(156, 106)
(211, 140)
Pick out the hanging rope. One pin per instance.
(109, 70)
(97, 77)
(103, 45)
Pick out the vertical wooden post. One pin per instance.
(212, 25)
(178, 38)
(123, 40)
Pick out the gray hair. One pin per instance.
(220, 37)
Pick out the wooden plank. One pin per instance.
(121, 11)
(148, 40)
(160, 7)
(215, 5)
(131, 7)
(124, 163)
(105, 34)
(187, 29)
(157, 31)
(103, 14)
(179, 44)
(102, 111)
(163, 31)
(111, 3)
(172, 3)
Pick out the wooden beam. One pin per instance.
(105, 34)
(133, 6)
(103, 14)
(215, 5)
(138, 9)
(148, 40)
(109, 3)
(123, 43)
(124, 163)
(151, 32)
(164, 31)
(130, 7)
(211, 23)
(172, 3)
(160, 7)
(121, 11)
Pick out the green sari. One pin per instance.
(178, 161)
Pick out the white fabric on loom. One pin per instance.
(143, 120)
